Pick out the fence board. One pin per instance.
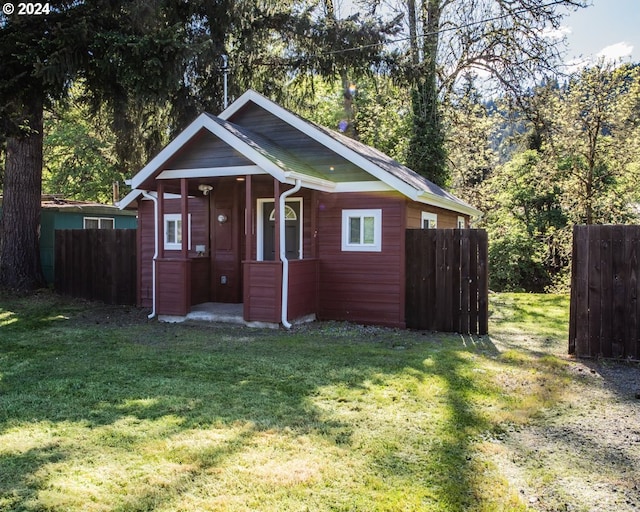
(483, 282)
(464, 284)
(606, 293)
(605, 290)
(619, 275)
(96, 264)
(447, 287)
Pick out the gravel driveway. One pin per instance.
(583, 455)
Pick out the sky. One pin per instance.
(607, 28)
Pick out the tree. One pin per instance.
(507, 41)
(471, 139)
(79, 152)
(115, 47)
(526, 225)
(591, 125)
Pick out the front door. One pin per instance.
(293, 234)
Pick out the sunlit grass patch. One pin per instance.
(149, 416)
(542, 315)
(7, 318)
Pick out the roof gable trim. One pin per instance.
(203, 121)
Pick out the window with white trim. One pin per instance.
(99, 223)
(173, 232)
(429, 220)
(461, 222)
(362, 230)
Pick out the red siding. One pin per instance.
(200, 291)
(199, 236)
(446, 218)
(174, 290)
(262, 291)
(146, 248)
(303, 288)
(366, 287)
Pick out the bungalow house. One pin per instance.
(257, 206)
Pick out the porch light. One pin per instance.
(205, 189)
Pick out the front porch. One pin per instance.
(228, 267)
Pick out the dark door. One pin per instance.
(292, 230)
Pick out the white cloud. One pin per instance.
(615, 52)
(557, 34)
(612, 54)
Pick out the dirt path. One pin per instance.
(583, 455)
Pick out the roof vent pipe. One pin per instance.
(283, 255)
(225, 72)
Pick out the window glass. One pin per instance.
(429, 220)
(91, 223)
(106, 223)
(362, 230)
(171, 232)
(369, 232)
(354, 230)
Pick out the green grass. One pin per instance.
(101, 410)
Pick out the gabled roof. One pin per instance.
(370, 169)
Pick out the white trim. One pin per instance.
(447, 204)
(311, 181)
(461, 220)
(134, 194)
(208, 172)
(349, 246)
(289, 214)
(175, 246)
(204, 121)
(363, 186)
(423, 196)
(429, 217)
(260, 225)
(129, 198)
(99, 219)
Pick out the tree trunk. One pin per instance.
(426, 154)
(20, 266)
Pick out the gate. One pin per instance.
(604, 319)
(447, 286)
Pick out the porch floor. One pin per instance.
(217, 312)
(225, 313)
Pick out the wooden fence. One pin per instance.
(96, 264)
(605, 287)
(447, 280)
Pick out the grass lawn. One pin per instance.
(101, 410)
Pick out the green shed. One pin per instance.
(58, 213)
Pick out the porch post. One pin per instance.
(184, 210)
(276, 207)
(160, 226)
(248, 213)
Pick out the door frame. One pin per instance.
(260, 226)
